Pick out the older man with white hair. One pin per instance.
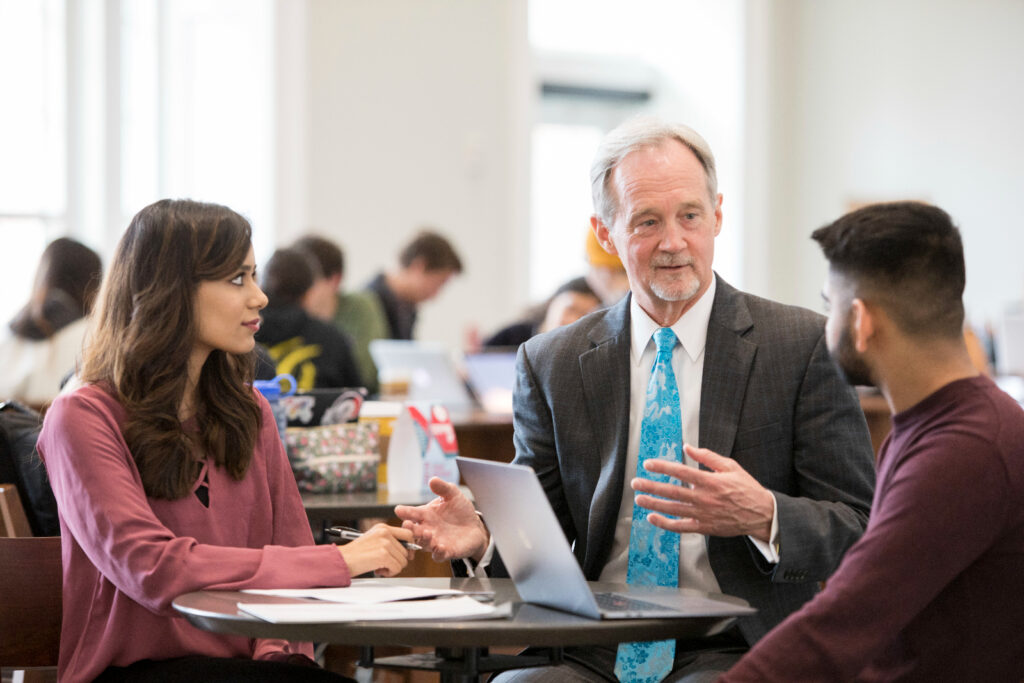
(785, 463)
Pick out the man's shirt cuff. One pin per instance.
(482, 565)
(770, 550)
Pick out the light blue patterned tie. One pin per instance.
(654, 552)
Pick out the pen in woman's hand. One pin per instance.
(349, 534)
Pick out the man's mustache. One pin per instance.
(670, 261)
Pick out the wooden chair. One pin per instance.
(13, 521)
(30, 607)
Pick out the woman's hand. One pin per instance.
(378, 550)
(447, 526)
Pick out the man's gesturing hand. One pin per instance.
(726, 501)
(447, 526)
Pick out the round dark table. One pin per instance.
(460, 645)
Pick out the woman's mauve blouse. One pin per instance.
(126, 556)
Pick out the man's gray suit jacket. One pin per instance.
(771, 399)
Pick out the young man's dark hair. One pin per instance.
(906, 257)
(436, 252)
(328, 254)
(287, 276)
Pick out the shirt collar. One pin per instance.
(691, 329)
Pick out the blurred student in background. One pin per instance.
(169, 473)
(358, 314)
(425, 265)
(569, 303)
(312, 351)
(41, 345)
(603, 284)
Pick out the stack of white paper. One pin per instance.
(359, 593)
(462, 607)
(368, 600)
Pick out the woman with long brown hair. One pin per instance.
(168, 470)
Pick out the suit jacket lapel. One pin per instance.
(728, 358)
(605, 371)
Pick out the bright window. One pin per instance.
(599, 62)
(561, 202)
(32, 141)
(110, 106)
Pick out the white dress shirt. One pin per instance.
(688, 365)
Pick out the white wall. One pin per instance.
(689, 54)
(879, 100)
(419, 112)
(703, 87)
(414, 117)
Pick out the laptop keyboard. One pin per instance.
(616, 602)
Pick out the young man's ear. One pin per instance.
(862, 326)
(601, 231)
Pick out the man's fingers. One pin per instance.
(663, 489)
(410, 513)
(669, 507)
(669, 467)
(708, 458)
(677, 470)
(446, 490)
(684, 525)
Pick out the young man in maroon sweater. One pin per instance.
(934, 590)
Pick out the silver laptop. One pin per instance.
(542, 566)
(429, 368)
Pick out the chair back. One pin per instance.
(30, 601)
(13, 520)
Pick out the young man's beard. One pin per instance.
(852, 365)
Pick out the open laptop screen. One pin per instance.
(491, 375)
(429, 368)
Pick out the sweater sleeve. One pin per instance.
(104, 508)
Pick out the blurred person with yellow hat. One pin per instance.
(602, 285)
(605, 273)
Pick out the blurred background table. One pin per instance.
(483, 435)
